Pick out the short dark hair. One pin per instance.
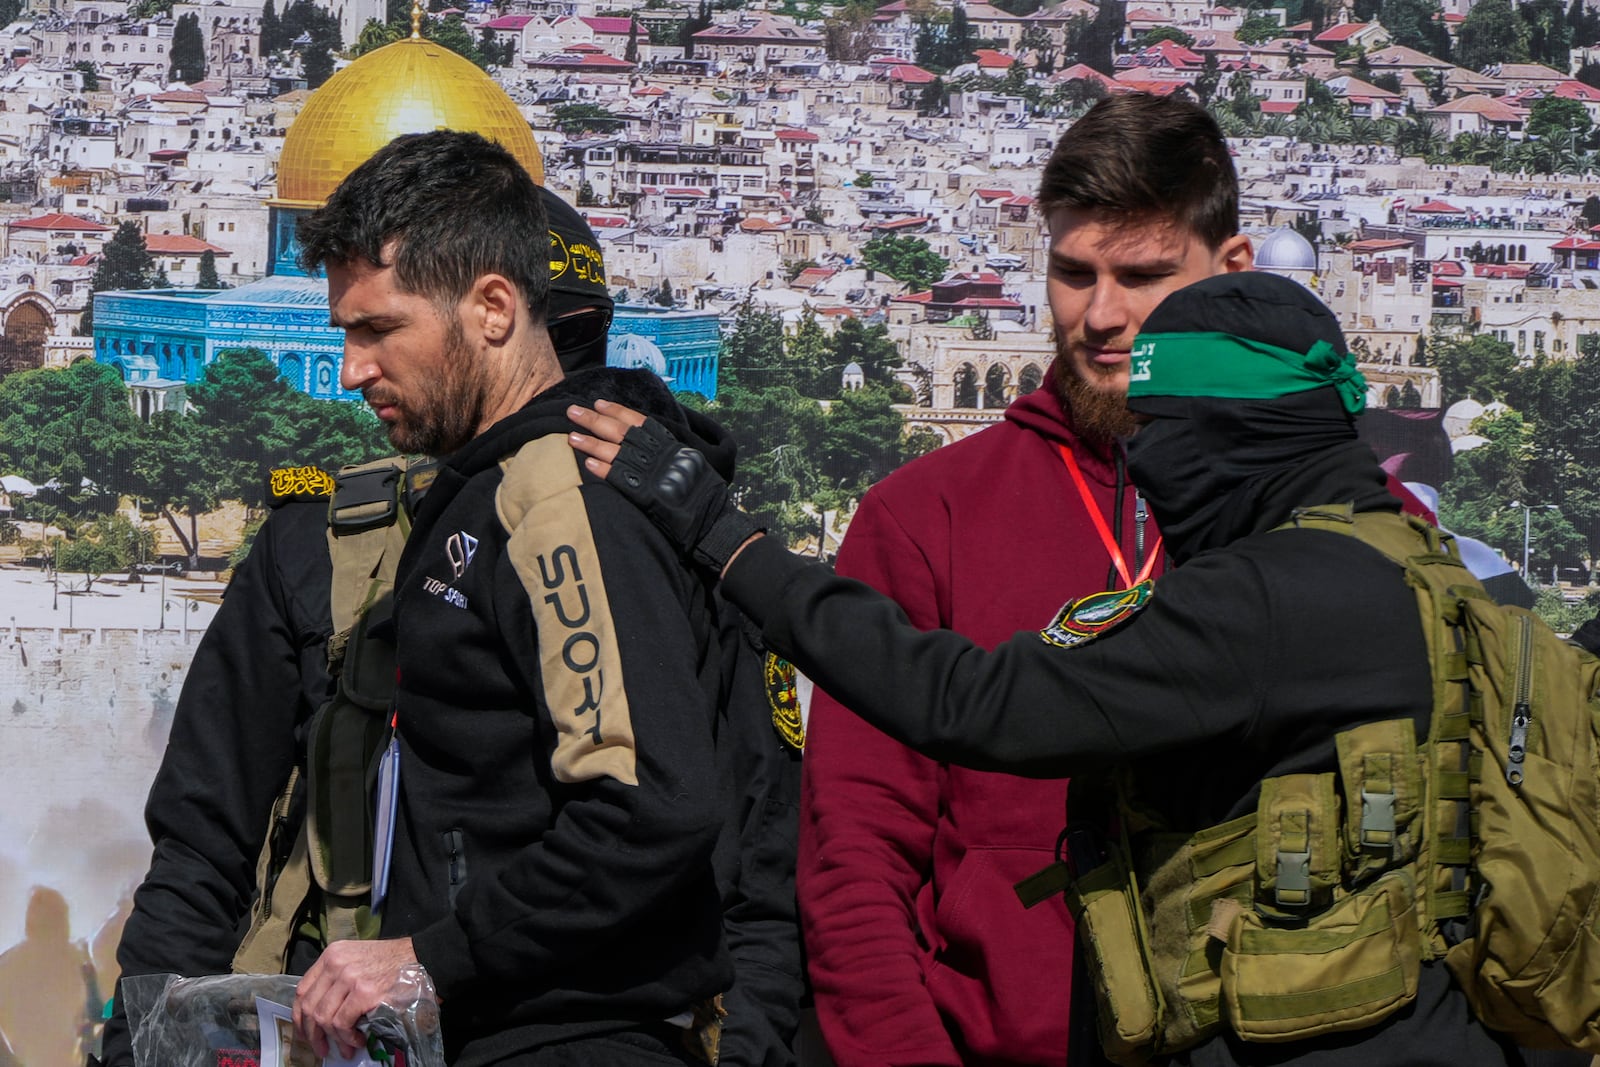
(1137, 156)
(459, 206)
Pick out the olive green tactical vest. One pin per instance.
(314, 878)
(1313, 914)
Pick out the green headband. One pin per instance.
(1237, 368)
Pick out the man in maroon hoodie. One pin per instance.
(920, 953)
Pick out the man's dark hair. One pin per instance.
(458, 205)
(1137, 157)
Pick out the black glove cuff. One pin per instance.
(722, 539)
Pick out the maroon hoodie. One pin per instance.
(920, 952)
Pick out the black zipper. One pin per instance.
(455, 854)
(1522, 712)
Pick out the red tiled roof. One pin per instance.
(988, 57)
(605, 222)
(607, 24)
(902, 224)
(1448, 283)
(1575, 244)
(909, 73)
(797, 135)
(58, 221)
(993, 194)
(508, 22)
(1436, 207)
(1447, 268)
(812, 275)
(1378, 244)
(1335, 34)
(180, 244)
(1278, 107)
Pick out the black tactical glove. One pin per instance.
(682, 495)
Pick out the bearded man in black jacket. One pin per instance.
(557, 802)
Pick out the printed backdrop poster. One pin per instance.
(838, 258)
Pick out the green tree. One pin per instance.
(1591, 210)
(631, 52)
(1209, 80)
(188, 53)
(775, 429)
(124, 264)
(91, 76)
(1583, 24)
(1100, 46)
(579, 118)
(862, 440)
(1559, 120)
(1477, 367)
(752, 348)
(808, 353)
(1549, 33)
(69, 425)
(317, 65)
(1416, 24)
(869, 347)
(1491, 33)
(905, 259)
(112, 543)
(374, 35)
(934, 98)
(958, 38)
(1165, 33)
(1258, 29)
(9, 10)
(245, 421)
(1242, 100)
(271, 34)
(207, 274)
(453, 33)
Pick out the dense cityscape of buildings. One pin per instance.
(757, 163)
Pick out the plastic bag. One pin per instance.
(217, 1021)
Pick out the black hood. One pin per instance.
(1215, 469)
(547, 414)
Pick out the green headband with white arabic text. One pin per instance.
(1230, 367)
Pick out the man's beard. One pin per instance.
(446, 406)
(1099, 410)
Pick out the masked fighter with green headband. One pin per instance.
(1200, 694)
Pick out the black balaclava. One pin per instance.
(1219, 467)
(577, 280)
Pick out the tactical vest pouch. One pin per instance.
(1383, 791)
(1189, 880)
(1111, 931)
(1345, 969)
(1298, 850)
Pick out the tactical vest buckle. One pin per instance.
(364, 498)
(1294, 879)
(1377, 821)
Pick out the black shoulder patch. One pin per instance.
(286, 484)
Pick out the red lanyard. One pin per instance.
(1128, 582)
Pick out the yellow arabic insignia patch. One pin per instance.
(299, 483)
(1088, 617)
(783, 694)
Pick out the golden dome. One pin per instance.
(411, 86)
